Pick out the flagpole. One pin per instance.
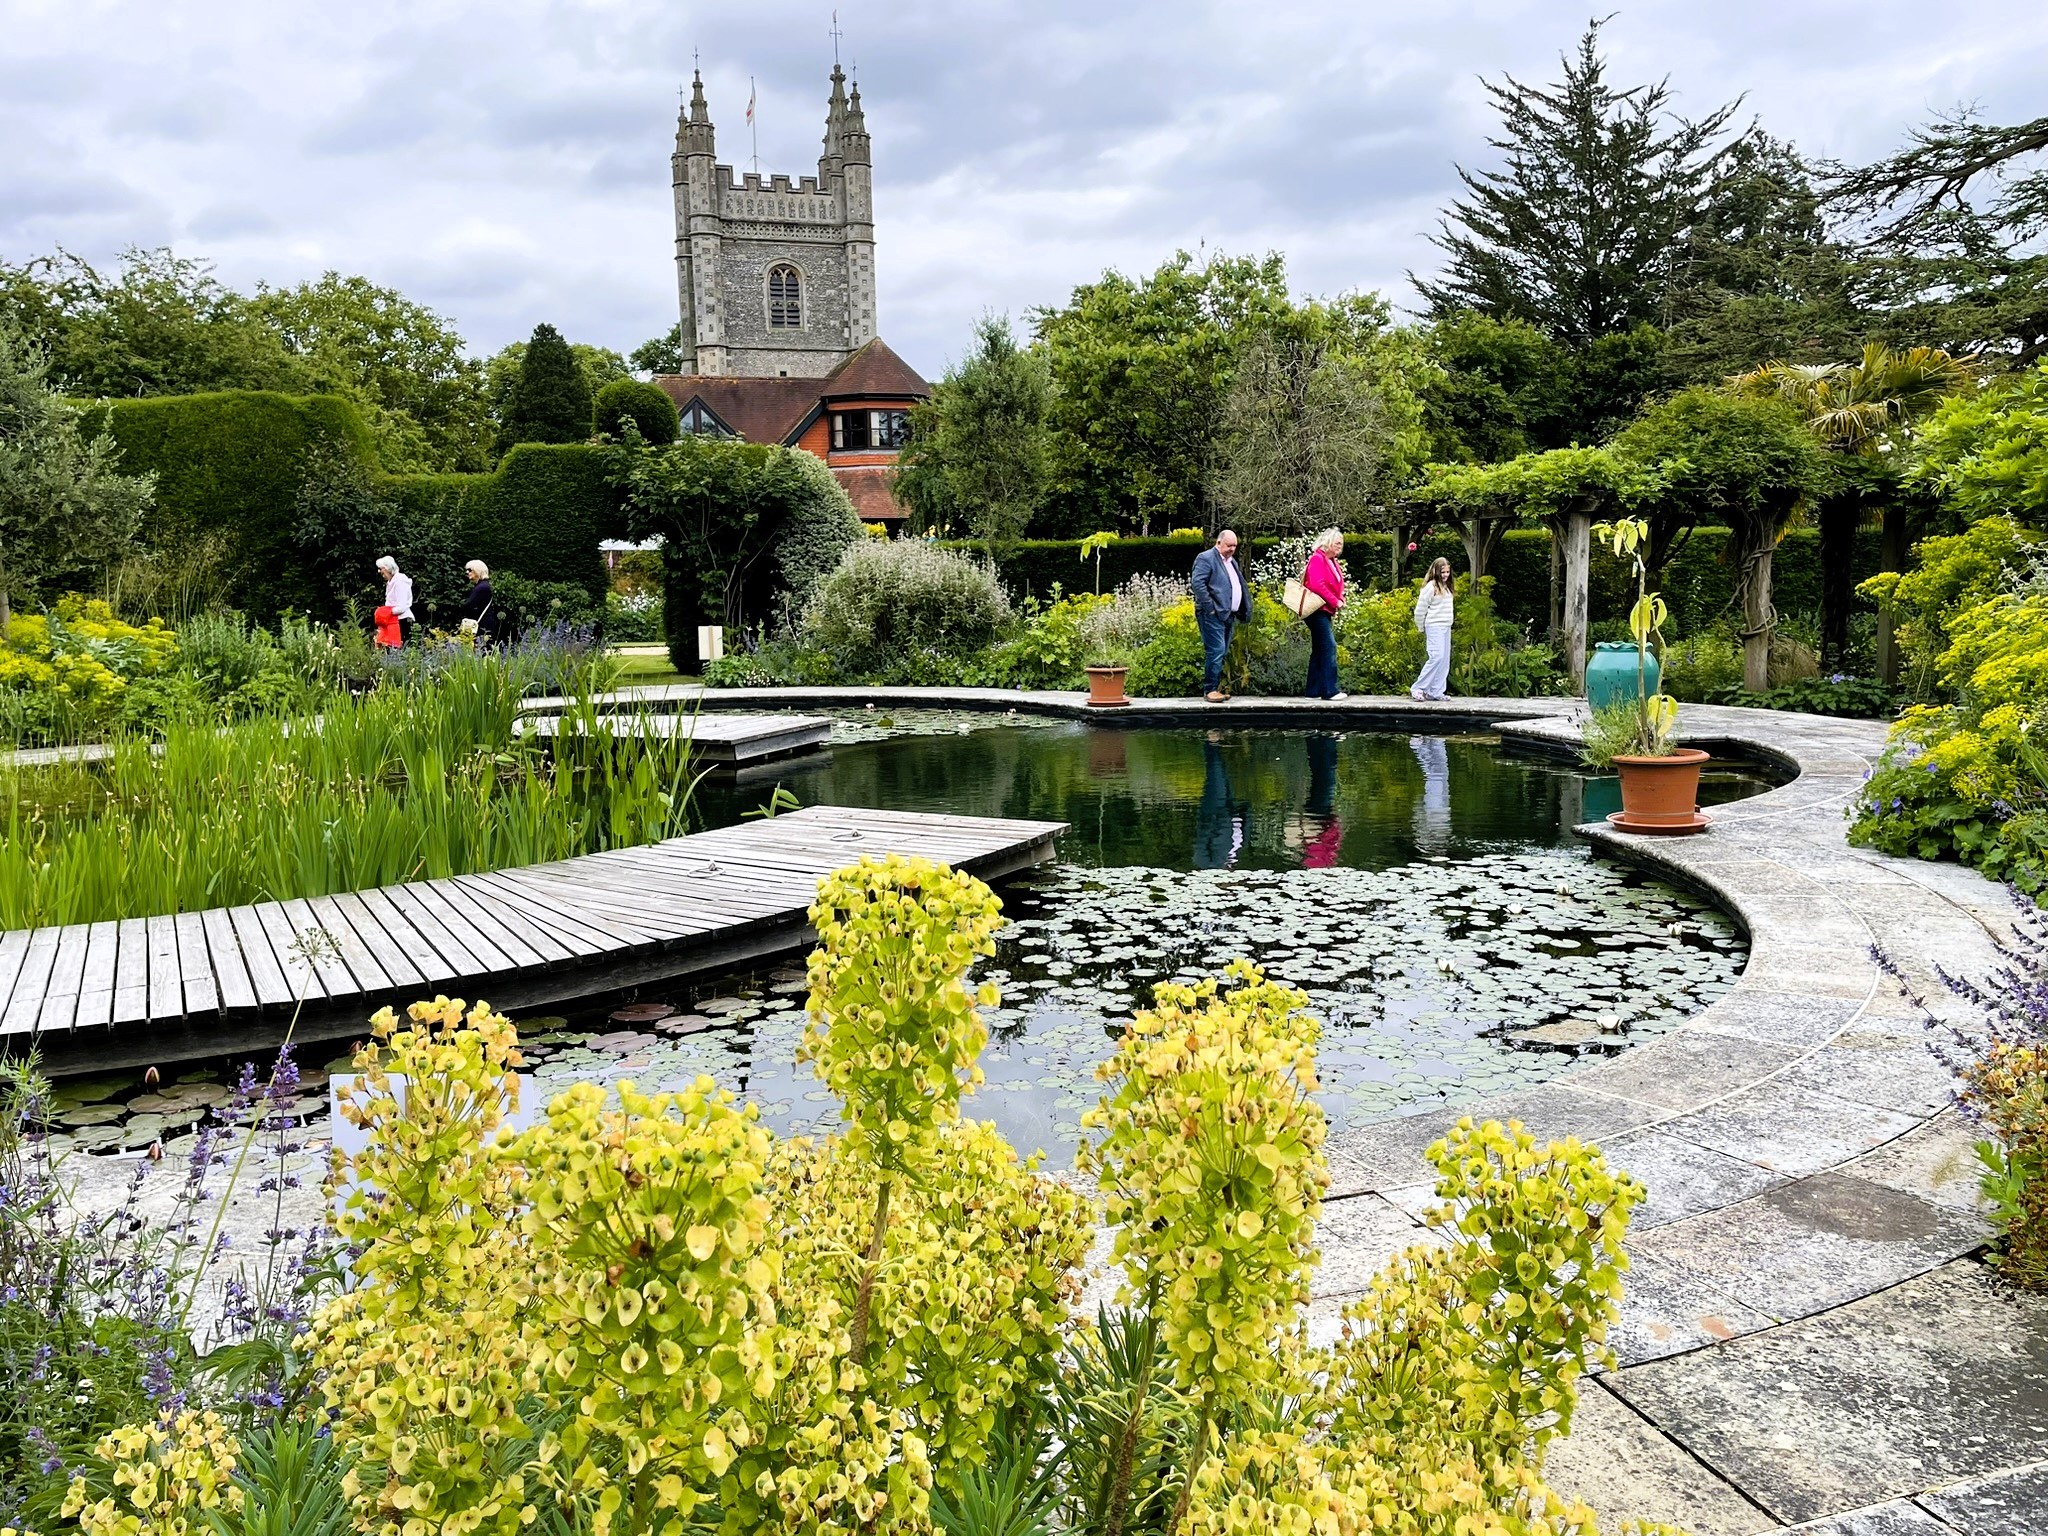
(753, 127)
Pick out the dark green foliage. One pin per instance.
(980, 448)
(1580, 232)
(747, 529)
(1764, 277)
(1857, 697)
(229, 466)
(660, 354)
(234, 466)
(549, 400)
(160, 325)
(1139, 367)
(1698, 583)
(646, 405)
(348, 520)
(539, 515)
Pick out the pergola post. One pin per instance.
(1574, 532)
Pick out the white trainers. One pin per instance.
(1336, 696)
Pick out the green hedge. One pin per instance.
(1698, 583)
(231, 463)
(539, 514)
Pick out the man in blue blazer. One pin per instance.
(1220, 601)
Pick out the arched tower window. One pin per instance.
(785, 297)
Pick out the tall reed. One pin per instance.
(425, 777)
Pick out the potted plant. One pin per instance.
(1106, 668)
(1660, 781)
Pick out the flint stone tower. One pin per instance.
(775, 277)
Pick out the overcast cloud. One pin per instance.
(509, 163)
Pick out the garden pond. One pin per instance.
(1427, 892)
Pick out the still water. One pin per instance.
(1427, 892)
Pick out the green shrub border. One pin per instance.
(1698, 583)
(231, 464)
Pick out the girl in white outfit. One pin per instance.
(1433, 618)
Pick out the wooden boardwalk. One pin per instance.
(228, 978)
(718, 741)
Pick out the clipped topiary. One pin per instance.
(646, 405)
(550, 400)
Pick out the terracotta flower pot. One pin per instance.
(1660, 794)
(1106, 687)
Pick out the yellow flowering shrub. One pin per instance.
(655, 1319)
(976, 1277)
(81, 650)
(160, 1479)
(1212, 1170)
(1483, 1342)
(892, 1027)
(425, 1360)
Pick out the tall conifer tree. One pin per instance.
(550, 402)
(1577, 233)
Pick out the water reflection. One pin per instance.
(1244, 799)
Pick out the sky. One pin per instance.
(508, 163)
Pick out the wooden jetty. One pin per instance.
(112, 994)
(717, 741)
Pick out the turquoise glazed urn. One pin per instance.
(1611, 674)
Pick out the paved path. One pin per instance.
(104, 995)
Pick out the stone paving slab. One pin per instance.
(1619, 1463)
(1790, 1129)
(1814, 1243)
(1899, 1518)
(1683, 1178)
(2002, 1505)
(1935, 1161)
(1938, 1380)
(1668, 1309)
(1685, 1069)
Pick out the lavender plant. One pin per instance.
(2003, 1070)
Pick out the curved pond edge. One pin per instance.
(1797, 1137)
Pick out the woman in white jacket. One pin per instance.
(1433, 618)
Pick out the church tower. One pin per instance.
(774, 277)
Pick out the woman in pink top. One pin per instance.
(1324, 577)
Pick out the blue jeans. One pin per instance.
(1322, 656)
(1215, 628)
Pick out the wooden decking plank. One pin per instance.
(301, 979)
(316, 940)
(550, 948)
(265, 974)
(480, 914)
(202, 992)
(13, 945)
(131, 972)
(166, 981)
(302, 982)
(418, 949)
(398, 969)
(67, 971)
(623, 907)
(538, 887)
(363, 965)
(96, 986)
(430, 928)
(730, 889)
(230, 970)
(584, 939)
(25, 1004)
(491, 957)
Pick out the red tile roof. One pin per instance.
(870, 488)
(774, 410)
